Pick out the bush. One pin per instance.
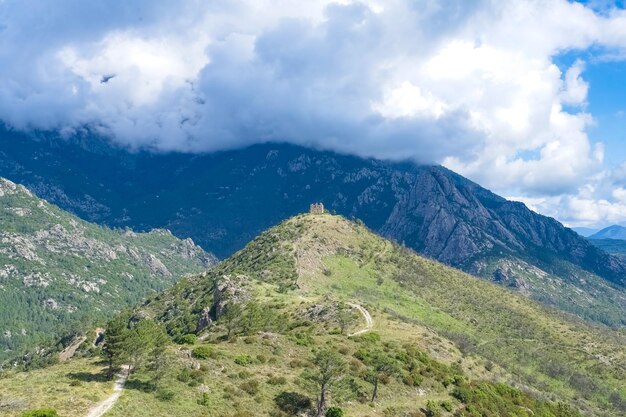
(165, 395)
(276, 380)
(447, 405)
(193, 377)
(41, 412)
(292, 403)
(204, 401)
(251, 387)
(432, 409)
(187, 339)
(243, 360)
(202, 352)
(334, 412)
(371, 337)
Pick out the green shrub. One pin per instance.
(251, 386)
(165, 395)
(202, 352)
(243, 360)
(41, 412)
(334, 412)
(292, 403)
(432, 409)
(187, 339)
(204, 401)
(192, 377)
(371, 337)
(447, 405)
(276, 380)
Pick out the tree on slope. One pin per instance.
(115, 348)
(379, 364)
(330, 368)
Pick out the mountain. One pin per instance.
(584, 231)
(406, 336)
(611, 232)
(59, 273)
(224, 199)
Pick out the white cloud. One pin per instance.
(470, 84)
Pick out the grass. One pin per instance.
(71, 388)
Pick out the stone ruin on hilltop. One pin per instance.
(317, 208)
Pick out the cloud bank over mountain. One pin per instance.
(473, 85)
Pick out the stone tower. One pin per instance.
(317, 208)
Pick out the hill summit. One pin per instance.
(310, 259)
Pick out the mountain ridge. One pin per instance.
(223, 200)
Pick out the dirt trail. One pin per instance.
(102, 407)
(369, 322)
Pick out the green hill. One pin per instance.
(258, 330)
(59, 273)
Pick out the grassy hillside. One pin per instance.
(570, 289)
(253, 328)
(59, 273)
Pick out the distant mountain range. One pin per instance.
(584, 231)
(611, 232)
(222, 200)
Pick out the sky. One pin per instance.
(525, 97)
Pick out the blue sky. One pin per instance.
(524, 97)
(607, 102)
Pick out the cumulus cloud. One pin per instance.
(470, 84)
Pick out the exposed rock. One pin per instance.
(506, 277)
(37, 279)
(228, 289)
(204, 320)
(156, 265)
(8, 271)
(19, 211)
(51, 304)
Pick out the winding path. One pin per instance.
(369, 322)
(102, 407)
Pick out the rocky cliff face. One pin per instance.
(449, 218)
(57, 271)
(223, 200)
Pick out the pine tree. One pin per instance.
(330, 367)
(115, 348)
(231, 318)
(379, 363)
